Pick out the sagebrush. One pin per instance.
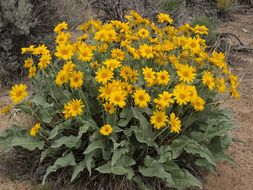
(21, 21)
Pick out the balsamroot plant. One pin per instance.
(135, 99)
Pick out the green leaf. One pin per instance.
(121, 170)
(138, 180)
(83, 129)
(64, 161)
(201, 150)
(40, 101)
(223, 157)
(70, 142)
(77, 169)
(178, 145)
(16, 136)
(98, 144)
(27, 142)
(105, 169)
(118, 153)
(184, 179)
(125, 161)
(154, 169)
(46, 153)
(117, 170)
(227, 140)
(144, 132)
(125, 117)
(56, 130)
(45, 116)
(89, 160)
(202, 162)
(165, 153)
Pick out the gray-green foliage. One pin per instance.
(171, 5)
(134, 152)
(20, 21)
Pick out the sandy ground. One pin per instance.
(227, 177)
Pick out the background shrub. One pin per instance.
(21, 21)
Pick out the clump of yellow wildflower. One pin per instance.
(136, 63)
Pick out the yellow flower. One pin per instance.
(164, 100)
(62, 38)
(29, 49)
(35, 129)
(191, 90)
(162, 17)
(73, 108)
(112, 63)
(118, 98)
(61, 78)
(193, 45)
(143, 33)
(162, 77)
(218, 59)
(175, 123)
(146, 51)
(85, 53)
(200, 30)
(41, 50)
(76, 79)
(106, 90)
(186, 73)
(141, 98)
(106, 130)
(181, 94)
(44, 61)
(159, 119)
(233, 80)
(28, 63)
(5, 109)
(208, 80)
(102, 48)
(62, 26)
(198, 103)
(149, 76)
(126, 72)
(134, 75)
(64, 51)
(68, 67)
(106, 35)
(234, 93)
(18, 93)
(118, 54)
(103, 75)
(32, 72)
(221, 85)
(109, 108)
(162, 59)
(94, 65)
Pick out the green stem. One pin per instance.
(165, 128)
(85, 101)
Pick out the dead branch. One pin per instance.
(228, 35)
